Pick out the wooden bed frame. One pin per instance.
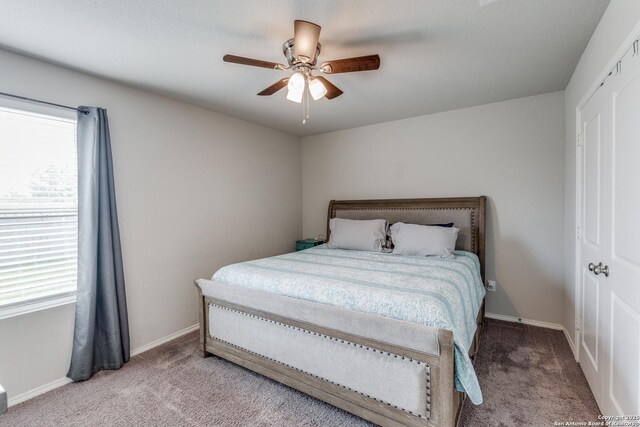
(445, 403)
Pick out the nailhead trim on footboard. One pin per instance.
(428, 403)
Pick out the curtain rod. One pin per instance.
(24, 98)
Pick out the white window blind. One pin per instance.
(38, 207)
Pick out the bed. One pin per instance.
(375, 334)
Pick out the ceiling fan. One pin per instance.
(302, 53)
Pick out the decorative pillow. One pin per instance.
(362, 235)
(389, 242)
(424, 240)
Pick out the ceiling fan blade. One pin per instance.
(332, 91)
(306, 35)
(253, 62)
(349, 65)
(274, 87)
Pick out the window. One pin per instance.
(38, 208)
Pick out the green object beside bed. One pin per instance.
(307, 243)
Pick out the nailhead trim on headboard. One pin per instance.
(474, 245)
(474, 239)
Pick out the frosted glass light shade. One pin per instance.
(317, 89)
(296, 82)
(295, 96)
(296, 87)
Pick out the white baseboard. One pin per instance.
(168, 338)
(571, 344)
(531, 322)
(64, 381)
(38, 391)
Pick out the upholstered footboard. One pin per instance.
(387, 371)
(391, 379)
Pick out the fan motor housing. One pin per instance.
(288, 48)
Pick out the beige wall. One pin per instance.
(616, 24)
(511, 151)
(196, 190)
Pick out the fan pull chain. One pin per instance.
(305, 103)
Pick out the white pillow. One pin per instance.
(424, 240)
(362, 235)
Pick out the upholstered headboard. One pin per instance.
(466, 213)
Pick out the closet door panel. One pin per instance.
(625, 348)
(622, 298)
(626, 150)
(595, 125)
(592, 137)
(590, 321)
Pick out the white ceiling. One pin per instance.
(436, 55)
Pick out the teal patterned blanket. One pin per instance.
(431, 291)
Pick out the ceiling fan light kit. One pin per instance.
(317, 89)
(295, 88)
(302, 53)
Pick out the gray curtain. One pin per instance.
(101, 335)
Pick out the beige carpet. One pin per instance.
(527, 375)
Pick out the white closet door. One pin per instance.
(621, 391)
(595, 126)
(610, 241)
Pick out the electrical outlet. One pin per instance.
(491, 285)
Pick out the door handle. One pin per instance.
(591, 266)
(604, 269)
